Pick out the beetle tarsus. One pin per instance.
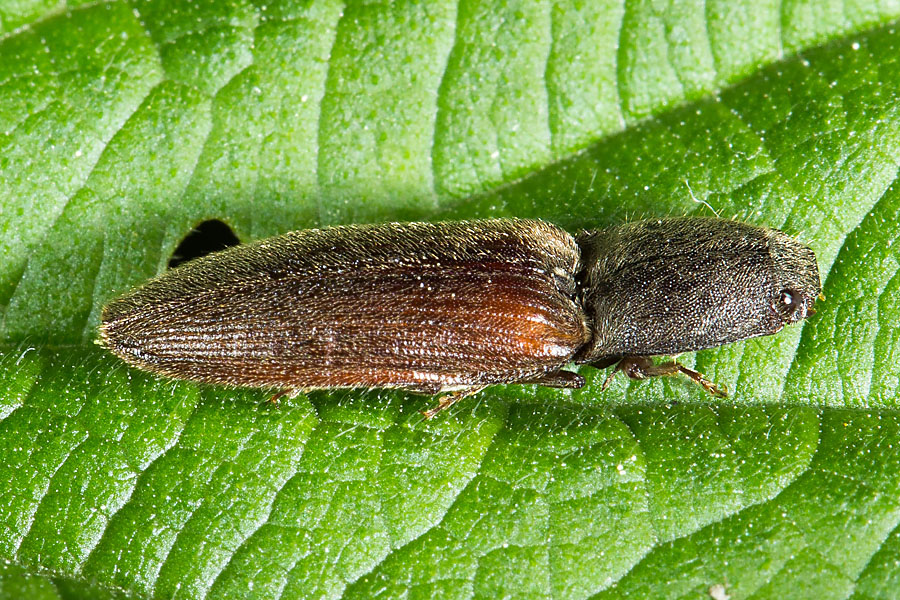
(642, 367)
(282, 393)
(698, 378)
(609, 379)
(277, 396)
(449, 400)
(558, 379)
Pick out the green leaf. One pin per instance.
(124, 125)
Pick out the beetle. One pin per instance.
(457, 306)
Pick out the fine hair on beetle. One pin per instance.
(451, 308)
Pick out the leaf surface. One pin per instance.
(126, 124)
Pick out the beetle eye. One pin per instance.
(788, 301)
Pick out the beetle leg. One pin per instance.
(277, 396)
(282, 393)
(642, 367)
(557, 379)
(609, 379)
(636, 367)
(698, 378)
(449, 400)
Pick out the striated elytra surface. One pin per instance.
(419, 306)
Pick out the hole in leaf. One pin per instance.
(208, 236)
